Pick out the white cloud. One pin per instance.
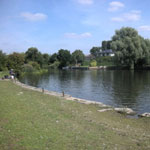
(75, 35)
(33, 16)
(131, 16)
(144, 28)
(85, 2)
(117, 19)
(115, 6)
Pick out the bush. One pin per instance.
(55, 65)
(35, 65)
(93, 63)
(28, 68)
(105, 61)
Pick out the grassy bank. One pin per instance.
(31, 120)
(3, 73)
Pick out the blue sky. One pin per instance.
(51, 25)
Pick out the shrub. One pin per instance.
(93, 63)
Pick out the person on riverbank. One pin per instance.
(12, 74)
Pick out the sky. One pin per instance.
(51, 25)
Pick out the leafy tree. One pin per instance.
(3, 60)
(54, 65)
(64, 57)
(34, 64)
(32, 54)
(77, 57)
(95, 51)
(128, 47)
(15, 61)
(53, 58)
(106, 45)
(46, 58)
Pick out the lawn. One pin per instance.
(31, 120)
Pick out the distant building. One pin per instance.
(89, 57)
(107, 52)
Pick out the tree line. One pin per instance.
(130, 49)
(33, 60)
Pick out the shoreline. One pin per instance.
(102, 107)
(66, 96)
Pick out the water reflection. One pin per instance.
(117, 88)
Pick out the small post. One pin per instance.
(63, 94)
(43, 90)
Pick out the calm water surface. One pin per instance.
(117, 88)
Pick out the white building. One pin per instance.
(108, 52)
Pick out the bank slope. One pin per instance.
(31, 120)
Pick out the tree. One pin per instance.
(64, 57)
(53, 58)
(77, 57)
(3, 60)
(46, 58)
(95, 51)
(127, 45)
(32, 54)
(106, 45)
(15, 61)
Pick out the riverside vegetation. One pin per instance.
(31, 120)
(131, 51)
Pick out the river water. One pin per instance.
(119, 88)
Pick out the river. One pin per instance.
(119, 88)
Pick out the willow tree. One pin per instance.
(127, 45)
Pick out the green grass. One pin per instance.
(31, 120)
(3, 73)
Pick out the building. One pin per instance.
(107, 52)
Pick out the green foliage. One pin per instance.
(95, 51)
(105, 61)
(27, 68)
(15, 61)
(46, 58)
(106, 45)
(77, 57)
(93, 63)
(55, 65)
(86, 63)
(35, 65)
(32, 54)
(3, 61)
(64, 58)
(53, 58)
(130, 49)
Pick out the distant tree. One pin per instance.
(64, 57)
(3, 60)
(35, 65)
(15, 61)
(95, 51)
(53, 58)
(77, 57)
(106, 45)
(32, 54)
(128, 47)
(46, 58)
